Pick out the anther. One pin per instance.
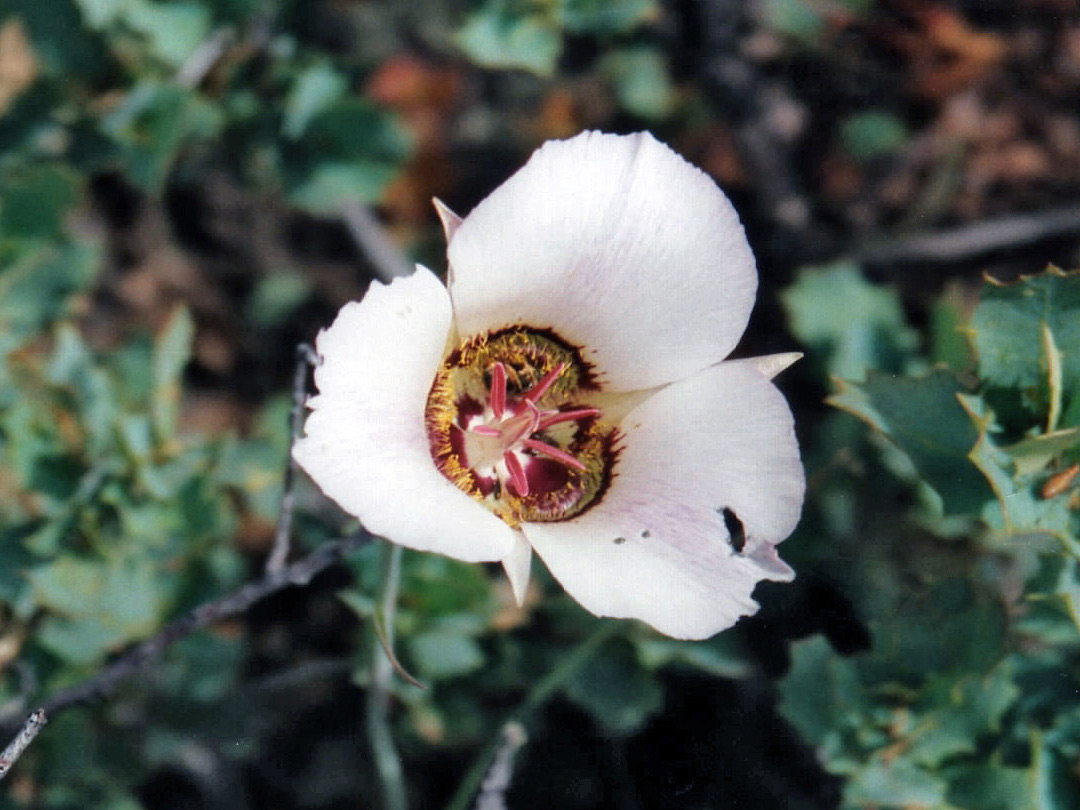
(561, 456)
(557, 417)
(517, 474)
(498, 389)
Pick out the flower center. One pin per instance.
(509, 422)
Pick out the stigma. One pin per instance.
(509, 422)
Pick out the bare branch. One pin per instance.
(300, 573)
(975, 240)
(202, 61)
(34, 723)
(305, 358)
(497, 782)
(386, 257)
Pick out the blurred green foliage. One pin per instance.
(930, 510)
(969, 696)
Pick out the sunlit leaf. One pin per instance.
(497, 38)
(926, 420)
(1007, 332)
(850, 324)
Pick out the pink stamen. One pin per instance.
(545, 383)
(566, 416)
(555, 453)
(498, 390)
(486, 430)
(517, 473)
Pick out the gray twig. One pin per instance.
(386, 258)
(202, 61)
(305, 358)
(34, 723)
(300, 573)
(975, 240)
(497, 781)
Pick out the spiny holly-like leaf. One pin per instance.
(924, 418)
(1020, 510)
(972, 707)
(989, 786)
(895, 784)
(1018, 328)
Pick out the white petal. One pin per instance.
(517, 566)
(447, 217)
(656, 547)
(769, 365)
(365, 443)
(618, 245)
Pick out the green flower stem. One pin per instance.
(387, 762)
(539, 695)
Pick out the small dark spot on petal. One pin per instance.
(736, 532)
(646, 534)
(619, 541)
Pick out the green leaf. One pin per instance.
(989, 786)
(974, 707)
(604, 17)
(173, 29)
(949, 626)
(613, 688)
(99, 14)
(850, 324)
(37, 288)
(495, 37)
(155, 123)
(35, 199)
(1018, 511)
(60, 42)
(97, 606)
(821, 694)
(72, 366)
(949, 344)
(1033, 454)
(314, 90)
(1055, 785)
(900, 784)
(795, 18)
(331, 184)
(276, 297)
(642, 81)
(871, 134)
(172, 352)
(924, 418)
(440, 655)
(1007, 330)
(720, 656)
(349, 151)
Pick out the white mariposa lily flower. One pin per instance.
(566, 393)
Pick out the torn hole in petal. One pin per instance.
(736, 530)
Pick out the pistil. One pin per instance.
(507, 428)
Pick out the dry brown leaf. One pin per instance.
(18, 64)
